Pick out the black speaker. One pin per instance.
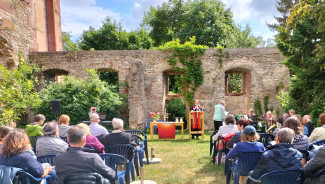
(55, 106)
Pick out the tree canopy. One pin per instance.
(302, 42)
(207, 20)
(111, 36)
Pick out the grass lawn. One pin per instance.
(183, 161)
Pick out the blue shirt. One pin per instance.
(245, 147)
(24, 161)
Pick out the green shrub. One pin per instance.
(77, 95)
(17, 92)
(176, 108)
(258, 107)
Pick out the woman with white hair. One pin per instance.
(50, 143)
(118, 136)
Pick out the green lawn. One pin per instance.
(183, 161)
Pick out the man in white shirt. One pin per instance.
(95, 128)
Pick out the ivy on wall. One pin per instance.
(185, 59)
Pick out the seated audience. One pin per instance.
(300, 141)
(316, 164)
(64, 121)
(306, 120)
(283, 118)
(76, 161)
(95, 128)
(35, 129)
(92, 140)
(242, 123)
(248, 143)
(15, 154)
(4, 131)
(318, 133)
(229, 127)
(50, 143)
(269, 118)
(280, 156)
(250, 115)
(118, 136)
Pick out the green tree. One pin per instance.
(77, 95)
(300, 43)
(17, 93)
(111, 36)
(207, 20)
(283, 7)
(68, 44)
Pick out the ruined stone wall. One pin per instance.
(15, 30)
(23, 28)
(143, 72)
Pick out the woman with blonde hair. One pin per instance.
(64, 121)
(15, 147)
(92, 140)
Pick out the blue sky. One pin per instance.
(79, 15)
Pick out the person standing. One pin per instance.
(196, 126)
(219, 114)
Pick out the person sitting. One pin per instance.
(4, 131)
(248, 143)
(95, 128)
(300, 141)
(318, 133)
(280, 156)
(50, 143)
(306, 120)
(15, 154)
(283, 118)
(35, 129)
(250, 115)
(76, 161)
(92, 140)
(229, 127)
(291, 112)
(314, 165)
(242, 123)
(64, 121)
(118, 136)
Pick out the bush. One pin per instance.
(176, 108)
(17, 92)
(77, 95)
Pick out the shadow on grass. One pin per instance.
(210, 169)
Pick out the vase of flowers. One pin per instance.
(155, 116)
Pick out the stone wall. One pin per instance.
(15, 30)
(23, 28)
(144, 72)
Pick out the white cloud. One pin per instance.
(79, 15)
(244, 10)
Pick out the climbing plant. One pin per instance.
(184, 58)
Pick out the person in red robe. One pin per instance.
(196, 117)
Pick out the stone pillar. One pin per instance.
(137, 104)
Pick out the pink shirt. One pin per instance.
(94, 142)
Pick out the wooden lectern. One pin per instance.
(191, 120)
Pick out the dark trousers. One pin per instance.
(217, 125)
